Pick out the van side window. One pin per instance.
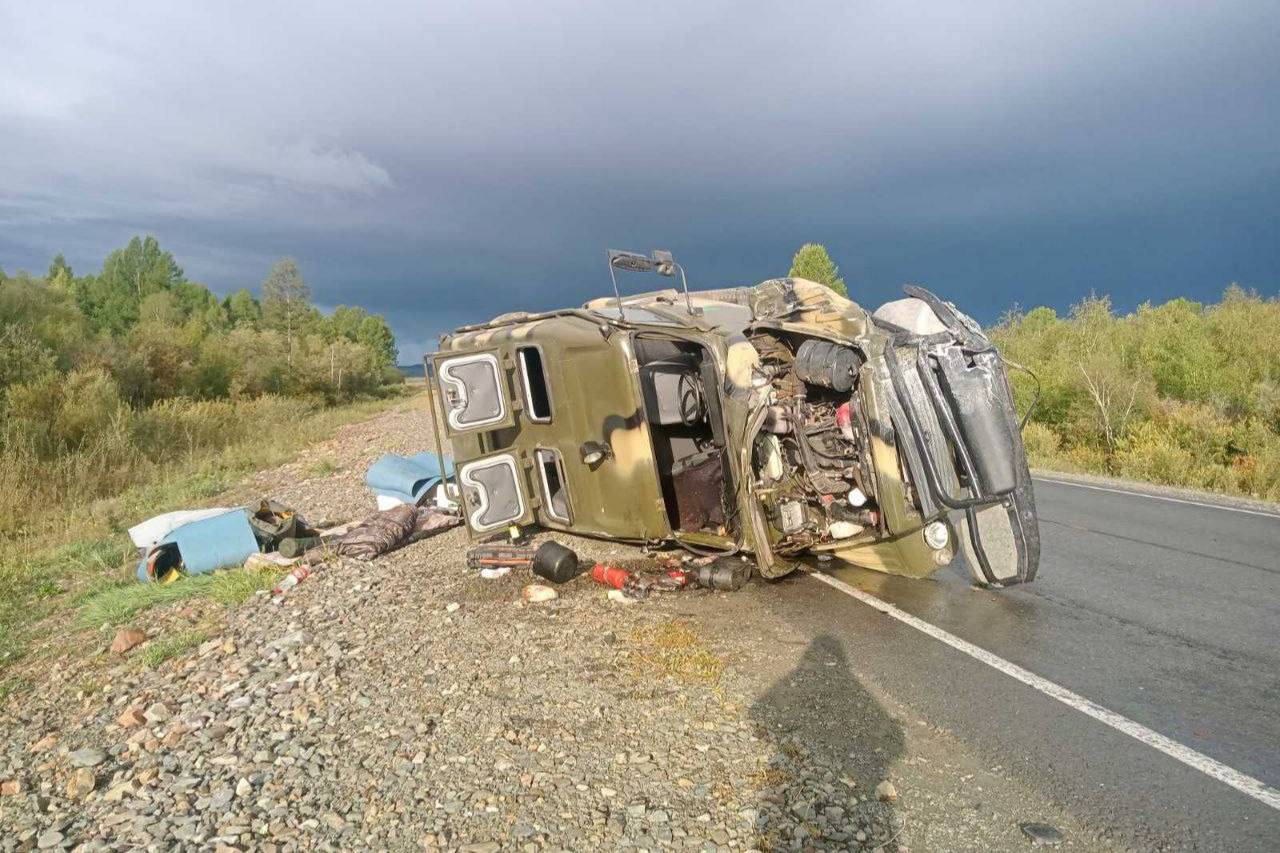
(537, 396)
(555, 497)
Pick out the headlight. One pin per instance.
(936, 535)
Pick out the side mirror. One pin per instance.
(662, 262)
(630, 261)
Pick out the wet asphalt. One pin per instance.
(1167, 613)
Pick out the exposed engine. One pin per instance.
(811, 459)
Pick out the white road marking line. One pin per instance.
(1262, 513)
(1243, 783)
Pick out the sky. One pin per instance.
(444, 163)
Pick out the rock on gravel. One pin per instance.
(87, 757)
(126, 639)
(157, 712)
(50, 839)
(80, 783)
(131, 718)
(536, 593)
(44, 743)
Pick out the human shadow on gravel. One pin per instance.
(828, 731)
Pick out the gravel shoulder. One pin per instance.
(406, 704)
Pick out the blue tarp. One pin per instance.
(210, 543)
(407, 478)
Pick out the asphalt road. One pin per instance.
(1167, 613)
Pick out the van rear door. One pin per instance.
(475, 391)
(495, 492)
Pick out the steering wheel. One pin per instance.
(690, 400)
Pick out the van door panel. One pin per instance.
(474, 392)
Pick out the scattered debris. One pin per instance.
(612, 576)
(500, 554)
(296, 547)
(193, 542)
(1042, 834)
(621, 580)
(291, 580)
(535, 593)
(126, 639)
(717, 573)
(726, 573)
(550, 560)
(412, 480)
(452, 607)
(273, 522)
(495, 572)
(617, 596)
(556, 563)
(673, 580)
(393, 528)
(272, 560)
(154, 531)
(292, 548)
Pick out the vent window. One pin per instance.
(537, 396)
(555, 497)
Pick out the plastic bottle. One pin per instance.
(292, 579)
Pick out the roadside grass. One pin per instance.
(321, 468)
(78, 566)
(674, 650)
(115, 604)
(160, 650)
(239, 585)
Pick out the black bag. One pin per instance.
(272, 521)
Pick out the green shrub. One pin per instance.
(1179, 393)
(1151, 454)
(1043, 444)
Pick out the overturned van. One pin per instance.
(781, 420)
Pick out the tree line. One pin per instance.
(143, 325)
(1181, 393)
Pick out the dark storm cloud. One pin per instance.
(442, 163)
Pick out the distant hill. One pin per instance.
(413, 371)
